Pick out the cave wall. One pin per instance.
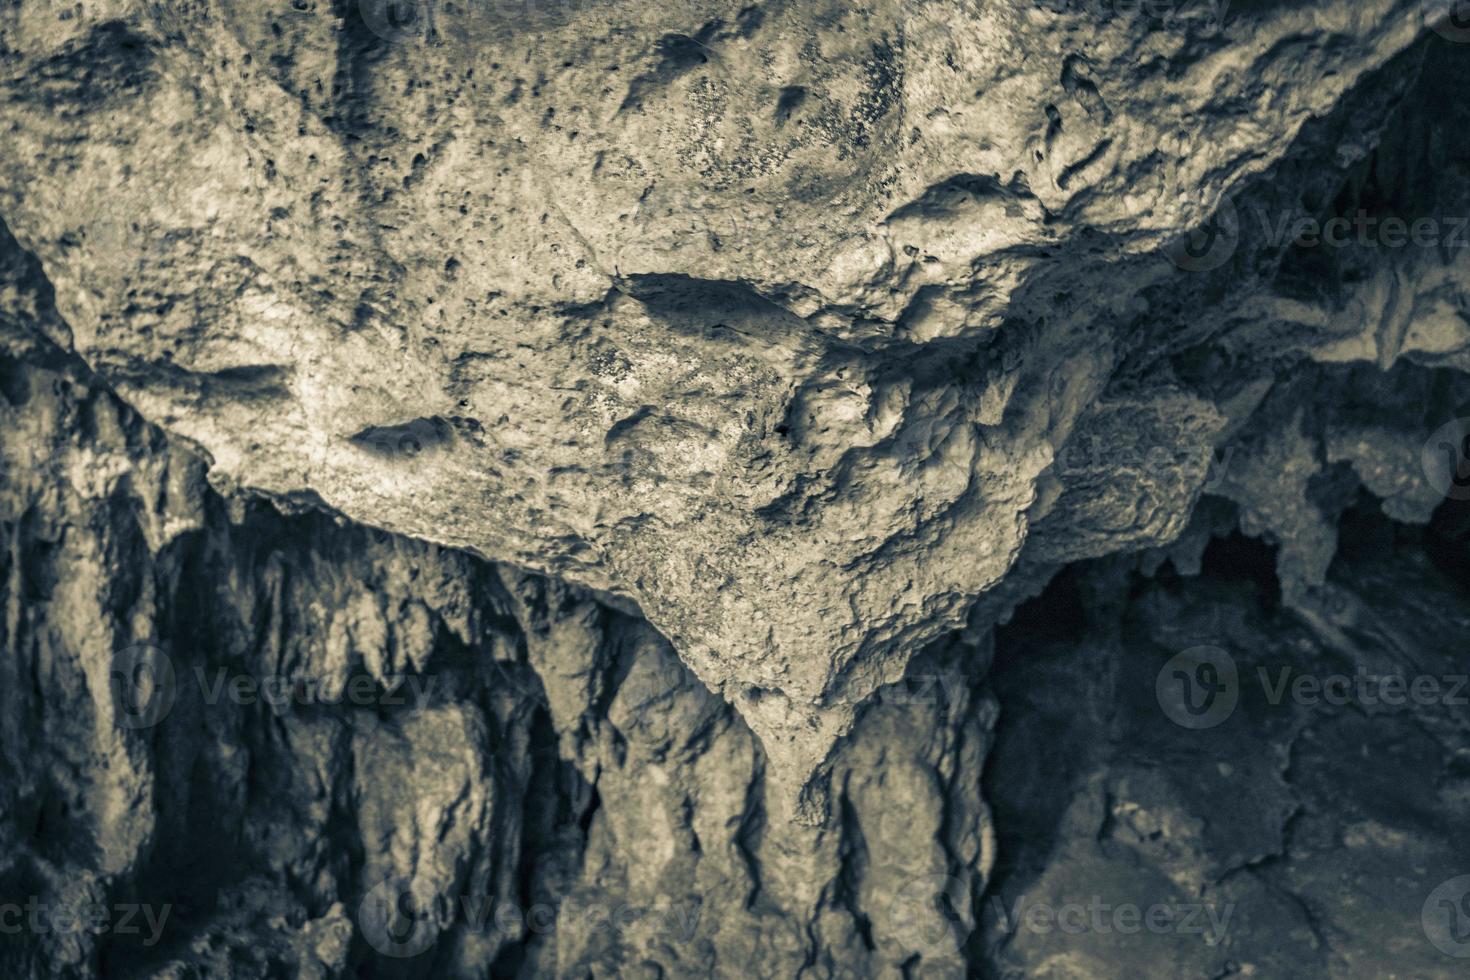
(276, 732)
(723, 490)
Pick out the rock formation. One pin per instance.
(514, 488)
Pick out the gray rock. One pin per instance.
(584, 488)
(769, 319)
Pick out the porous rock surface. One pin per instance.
(661, 388)
(538, 774)
(1293, 836)
(767, 321)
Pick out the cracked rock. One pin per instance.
(600, 488)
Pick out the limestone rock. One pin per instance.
(768, 318)
(520, 488)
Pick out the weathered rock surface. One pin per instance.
(1302, 834)
(467, 475)
(277, 733)
(773, 319)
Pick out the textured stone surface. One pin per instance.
(537, 775)
(1290, 836)
(770, 318)
(654, 409)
